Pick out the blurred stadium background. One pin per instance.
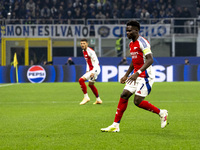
(50, 31)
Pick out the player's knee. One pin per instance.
(90, 85)
(137, 101)
(81, 80)
(125, 95)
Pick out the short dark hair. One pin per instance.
(84, 40)
(134, 23)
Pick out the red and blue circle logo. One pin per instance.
(36, 74)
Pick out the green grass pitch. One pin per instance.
(48, 116)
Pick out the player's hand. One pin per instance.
(123, 79)
(132, 78)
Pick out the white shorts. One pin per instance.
(87, 75)
(142, 86)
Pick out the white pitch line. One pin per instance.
(7, 84)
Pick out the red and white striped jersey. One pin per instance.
(138, 50)
(91, 59)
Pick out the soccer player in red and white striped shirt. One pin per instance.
(92, 72)
(141, 81)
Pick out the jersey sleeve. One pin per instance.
(145, 46)
(94, 59)
(87, 67)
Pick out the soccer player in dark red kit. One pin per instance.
(92, 72)
(141, 81)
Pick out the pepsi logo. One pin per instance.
(36, 74)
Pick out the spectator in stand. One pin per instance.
(179, 23)
(47, 3)
(45, 12)
(22, 12)
(187, 61)
(161, 15)
(108, 16)
(54, 12)
(128, 12)
(146, 6)
(144, 16)
(187, 22)
(77, 11)
(137, 12)
(69, 8)
(77, 15)
(107, 7)
(84, 11)
(123, 61)
(30, 6)
(170, 9)
(98, 8)
(38, 4)
(169, 15)
(77, 3)
(61, 19)
(153, 8)
(154, 17)
(115, 12)
(103, 2)
(3, 10)
(61, 10)
(138, 3)
(70, 62)
(100, 16)
(91, 10)
(16, 8)
(69, 17)
(86, 2)
(160, 4)
(37, 9)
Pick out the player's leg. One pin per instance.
(84, 88)
(122, 105)
(141, 103)
(143, 89)
(92, 80)
(95, 91)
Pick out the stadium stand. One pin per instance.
(66, 11)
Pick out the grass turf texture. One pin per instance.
(48, 116)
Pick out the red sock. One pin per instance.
(83, 86)
(122, 105)
(148, 106)
(94, 90)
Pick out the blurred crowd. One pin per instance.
(64, 11)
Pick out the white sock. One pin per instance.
(115, 124)
(161, 111)
(86, 96)
(98, 99)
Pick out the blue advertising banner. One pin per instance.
(109, 73)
